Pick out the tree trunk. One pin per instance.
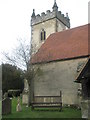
(31, 93)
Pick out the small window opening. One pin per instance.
(43, 35)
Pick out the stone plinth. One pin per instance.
(85, 108)
(25, 98)
(25, 92)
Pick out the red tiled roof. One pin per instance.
(70, 43)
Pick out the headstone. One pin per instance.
(18, 107)
(6, 106)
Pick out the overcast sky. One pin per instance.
(15, 17)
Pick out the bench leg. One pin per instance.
(60, 108)
(32, 108)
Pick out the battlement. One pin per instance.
(36, 19)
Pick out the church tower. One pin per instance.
(45, 24)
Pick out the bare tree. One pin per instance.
(21, 58)
(20, 55)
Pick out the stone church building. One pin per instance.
(59, 52)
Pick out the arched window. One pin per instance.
(43, 35)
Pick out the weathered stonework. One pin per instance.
(25, 98)
(59, 76)
(85, 108)
(49, 27)
(6, 106)
(51, 21)
(50, 15)
(25, 93)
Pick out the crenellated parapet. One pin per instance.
(36, 19)
(46, 23)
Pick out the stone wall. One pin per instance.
(59, 76)
(50, 15)
(85, 109)
(51, 22)
(50, 26)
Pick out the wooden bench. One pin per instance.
(47, 102)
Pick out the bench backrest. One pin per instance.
(48, 99)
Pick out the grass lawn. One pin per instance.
(27, 113)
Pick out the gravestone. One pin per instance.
(6, 106)
(18, 107)
(25, 92)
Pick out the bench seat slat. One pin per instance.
(47, 103)
(46, 106)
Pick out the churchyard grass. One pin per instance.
(42, 113)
